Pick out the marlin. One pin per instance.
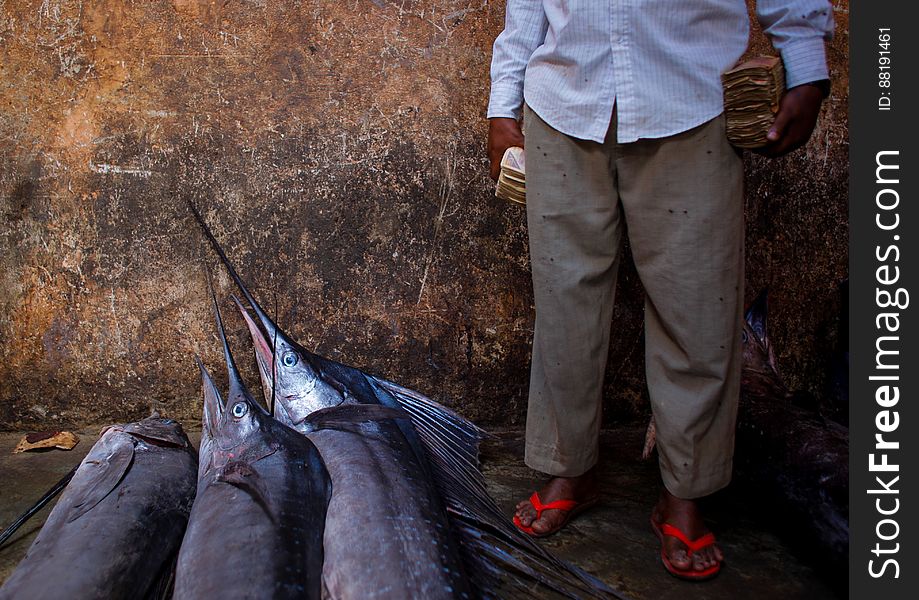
(116, 529)
(257, 524)
(410, 516)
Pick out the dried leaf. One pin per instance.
(63, 440)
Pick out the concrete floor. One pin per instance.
(613, 541)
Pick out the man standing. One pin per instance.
(624, 128)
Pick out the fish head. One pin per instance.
(238, 418)
(230, 426)
(243, 418)
(293, 383)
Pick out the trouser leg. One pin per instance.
(683, 202)
(574, 225)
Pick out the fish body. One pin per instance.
(256, 527)
(383, 523)
(118, 524)
(255, 530)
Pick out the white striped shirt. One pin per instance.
(659, 61)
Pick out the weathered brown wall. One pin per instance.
(797, 228)
(338, 150)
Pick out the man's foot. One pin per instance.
(685, 516)
(581, 489)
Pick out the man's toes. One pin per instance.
(679, 558)
(700, 562)
(526, 514)
(540, 526)
(710, 556)
(705, 558)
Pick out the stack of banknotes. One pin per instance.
(752, 91)
(512, 180)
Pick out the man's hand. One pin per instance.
(502, 134)
(795, 121)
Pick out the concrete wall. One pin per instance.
(338, 150)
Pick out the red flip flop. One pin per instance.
(573, 508)
(692, 546)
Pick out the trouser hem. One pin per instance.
(546, 459)
(689, 486)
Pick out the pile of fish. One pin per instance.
(263, 493)
(347, 486)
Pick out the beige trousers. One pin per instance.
(681, 198)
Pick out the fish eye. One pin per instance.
(289, 359)
(240, 409)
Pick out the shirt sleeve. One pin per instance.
(798, 30)
(525, 27)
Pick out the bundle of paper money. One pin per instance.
(752, 91)
(512, 180)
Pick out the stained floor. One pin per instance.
(613, 541)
